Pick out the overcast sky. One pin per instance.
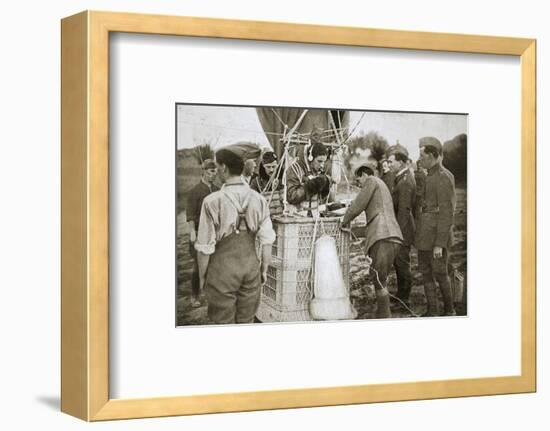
(221, 126)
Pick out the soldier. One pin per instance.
(387, 174)
(249, 169)
(267, 168)
(194, 203)
(383, 236)
(232, 220)
(435, 227)
(420, 179)
(404, 196)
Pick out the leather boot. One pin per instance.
(382, 304)
(431, 300)
(448, 299)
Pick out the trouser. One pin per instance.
(195, 279)
(403, 271)
(383, 255)
(435, 271)
(233, 285)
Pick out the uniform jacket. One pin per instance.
(420, 179)
(389, 180)
(195, 198)
(375, 199)
(404, 198)
(436, 218)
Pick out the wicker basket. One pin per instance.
(275, 202)
(288, 290)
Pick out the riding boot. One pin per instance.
(382, 304)
(431, 300)
(448, 299)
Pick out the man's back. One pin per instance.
(375, 199)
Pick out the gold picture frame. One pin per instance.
(85, 220)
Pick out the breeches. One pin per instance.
(433, 269)
(383, 255)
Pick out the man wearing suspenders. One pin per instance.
(232, 220)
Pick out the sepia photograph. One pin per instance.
(292, 214)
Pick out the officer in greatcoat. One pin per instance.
(435, 227)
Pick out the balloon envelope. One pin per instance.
(273, 121)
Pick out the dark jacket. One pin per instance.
(389, 180)
(194, 201)
(296, 176)
(436, 219)
(260, 181)
(375, 199)
(404, 198)
(420, 179)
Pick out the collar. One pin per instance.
(206, 184)
(402, 171)
(434, 168)
(235, 181)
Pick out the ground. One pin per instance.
(362, 295)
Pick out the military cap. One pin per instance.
(269, 157)
(430, 141)
(208, 164)
(245, 150)
(397, 148)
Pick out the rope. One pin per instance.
(353, 130)
(310, 274)
(279, 118)
(380, 283)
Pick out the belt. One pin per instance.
(426, 210)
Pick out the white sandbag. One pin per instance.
(331, 299)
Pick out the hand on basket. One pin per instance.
(345, 228)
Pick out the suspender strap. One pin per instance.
(241, 223)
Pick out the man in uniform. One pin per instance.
(194, 203)
(420, 179)
(404, 196)
(249, 169)
(435, 227)
(232, 220)
(387, 174)
(383, 236)
(267, 168)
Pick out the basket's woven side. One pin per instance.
(288, 290)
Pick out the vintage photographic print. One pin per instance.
(291, 214)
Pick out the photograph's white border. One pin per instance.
(149, 357)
